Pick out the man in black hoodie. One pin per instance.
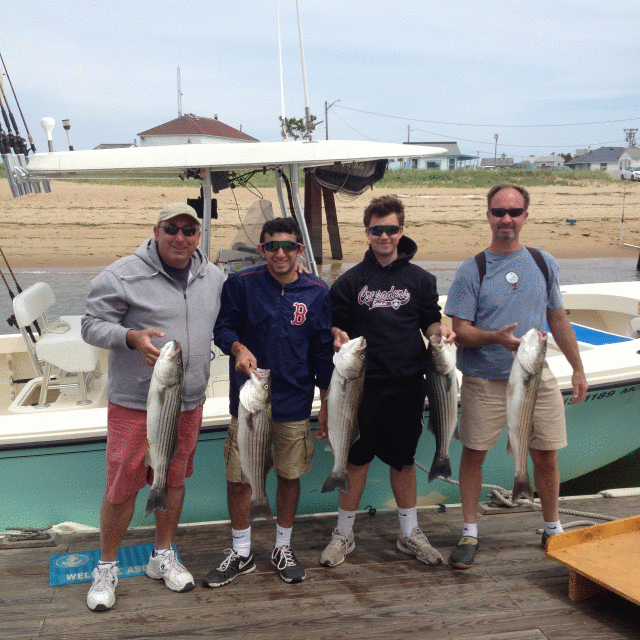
(392, 303)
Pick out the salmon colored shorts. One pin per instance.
(292, 450)
(127, 471)
(484, 413)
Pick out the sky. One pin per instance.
(545, 76)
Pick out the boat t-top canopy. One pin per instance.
(202, 161)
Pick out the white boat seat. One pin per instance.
(67, 350)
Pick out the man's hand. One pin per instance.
(323, 417)
(339, 338)
(448, 335)
(141, 341)
(245, 360)
(580, 387)
(505, 337)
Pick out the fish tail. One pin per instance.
(157, 500)
(259, 508)
(522, 487)
(336, 480)
(440, 467)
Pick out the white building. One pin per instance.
(192, 129)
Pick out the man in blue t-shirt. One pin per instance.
(519, 290)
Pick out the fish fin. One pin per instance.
(157, 500)
(259, 508)
(336, 480)
(522, 488)
(440, 467)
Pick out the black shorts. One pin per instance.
(390, 420)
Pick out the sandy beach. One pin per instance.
(93, 224)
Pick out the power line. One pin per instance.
(504, 126)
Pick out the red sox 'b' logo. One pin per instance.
(299, 313)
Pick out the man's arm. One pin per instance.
(467, 335)
(565, 338)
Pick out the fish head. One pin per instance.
(442, 354)
(350, 361)
(169, 367)
(255, 393)
(532, 350)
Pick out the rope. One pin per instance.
(502, 498)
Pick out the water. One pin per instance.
(71, 285)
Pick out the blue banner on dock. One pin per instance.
(73, 568)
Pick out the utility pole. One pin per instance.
(495, 153)
(179, 96)
(630, 135)
(326, 117)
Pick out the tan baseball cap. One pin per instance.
(178, 209)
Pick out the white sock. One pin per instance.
(470, 530)
(283, 536)
(551, 528)
(408, 520)
(346, 520)
(160, 552)
(241, 541)
(102, 564)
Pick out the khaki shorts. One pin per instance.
(292, 450)
(484, 413)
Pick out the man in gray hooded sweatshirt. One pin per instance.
(167, 290)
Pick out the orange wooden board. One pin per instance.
(606, 554)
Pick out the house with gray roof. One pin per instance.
(630, 158)
(452, 158)
(501, 162)
(602, 159)
(192, 129)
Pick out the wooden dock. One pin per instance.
(513, 591)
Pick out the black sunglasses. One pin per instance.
(501, 213)
(285, 245)
(389, 229)
(172, 230)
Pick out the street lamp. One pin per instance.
(326, 117)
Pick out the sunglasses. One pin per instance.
(286, 245)
(389, 229)
(501, 213)
(172, 230)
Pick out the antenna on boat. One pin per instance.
(307, 112)
(47, 125)
(66, 126)
(283, 129)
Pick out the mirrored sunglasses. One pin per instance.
(501, 213)
(389, 229)
(285, 245)
(172, 230)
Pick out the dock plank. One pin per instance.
(513, 590)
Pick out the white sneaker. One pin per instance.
(167, 567)
(336, 551)
(418, 545)
(102, 595)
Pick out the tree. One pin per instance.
(566, 156)
(296, 128)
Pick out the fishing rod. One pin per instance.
(35, 322)
(33, 146)
(15, 139)
(11, 320)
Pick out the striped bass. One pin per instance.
(343, 402)
(254, 438)
(442, 391)
(522, 392)
(164, 402)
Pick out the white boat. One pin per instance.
(52, 461)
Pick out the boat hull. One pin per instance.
(44, 485)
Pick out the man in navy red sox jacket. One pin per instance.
(273, 317)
